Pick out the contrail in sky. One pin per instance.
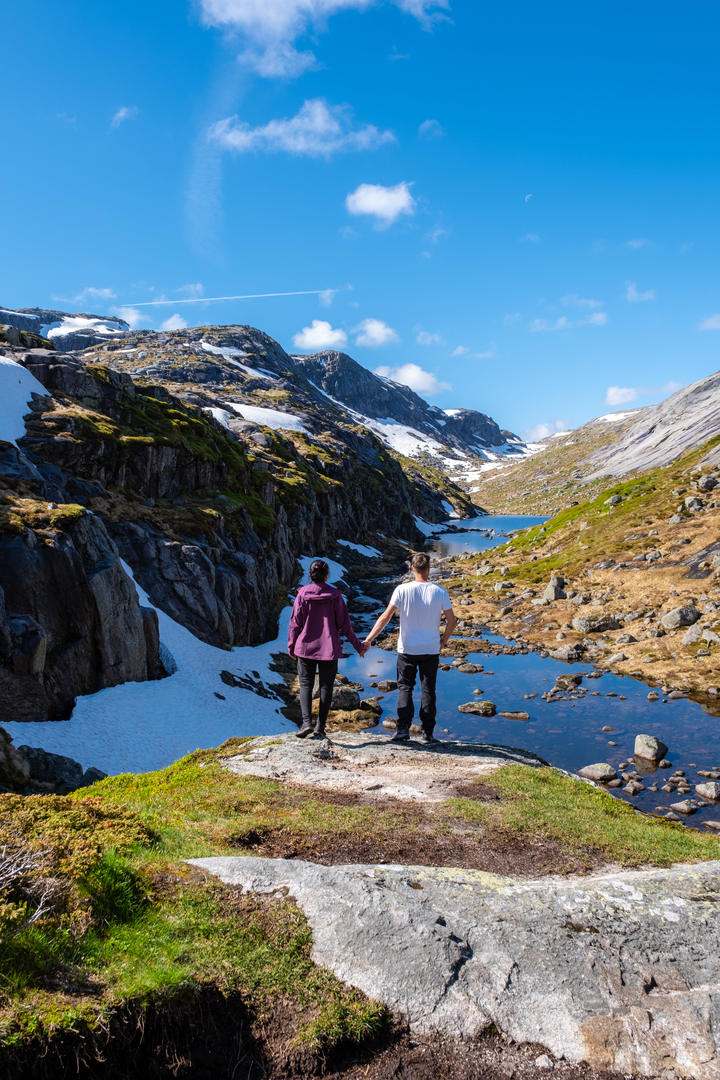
(211, 299)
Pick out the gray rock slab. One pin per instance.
(619, 969)
(358, 762)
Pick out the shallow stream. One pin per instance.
(565, 733)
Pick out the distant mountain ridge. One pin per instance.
(458, 440)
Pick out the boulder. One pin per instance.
(649, 748)
(14, 768)
(709, 791)
(601, 772)
(681, 616)
(692, 635)
(61, 773)
(613, 500)
(554, 592)
(568, 653)
(479, 708)
(92, 776)
(345, 698)
(595, 624)
(707, 483)
(693, 504)
(684, 807)
(617, 658)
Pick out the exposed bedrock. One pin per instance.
(70, 622)
(619, 970)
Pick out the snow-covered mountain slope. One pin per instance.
(66, 331)
(459, 441)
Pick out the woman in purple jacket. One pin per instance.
(318, 618)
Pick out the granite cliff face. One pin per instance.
(207, 462)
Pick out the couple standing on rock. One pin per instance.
(318, 618)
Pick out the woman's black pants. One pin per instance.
(327, 670)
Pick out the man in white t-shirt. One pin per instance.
(420, 604)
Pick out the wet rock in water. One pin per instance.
(653, 696)
(649, 748)
(712, 825)
(371, 705)
(684, 807)
(601, 772)
(568, 682)
(665, 764)
(676, 695)
(518, 714)
(617, 658)
(480, 708)
(387, 685)
(345, 698)
(709, 791)
(634, 787)
(568, 653)
(416, 729)
(615, 783)
(390, 724)
(681, 616)
(595, 624)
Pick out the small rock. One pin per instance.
(676, 695)
(480, 708)
(692, 635)
(649, 748)
(613, 500)
(684, 807)
(625, 639)
(416, 729)
(544, 1062)
(601, 772)
(712, 825)
(652, 696)
(634, 787)
(709, 791)
(540, 601)
(617, 658)
(390, 724)
(517, 715)
(615, 783)
(595, 624)
(693, 504)
(554, 592)
(608, 728)
(387, 685)
(665, 764)
(682, 616)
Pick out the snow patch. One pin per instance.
(16, 387)
(449, 509)
(272, 418)
(229, 353)
(70, 324)
(337, 570)
(141, 726)
(613, 417)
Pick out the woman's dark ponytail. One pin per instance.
(319, 571)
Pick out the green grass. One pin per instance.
(543, 802)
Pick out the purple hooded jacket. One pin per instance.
(318, 618)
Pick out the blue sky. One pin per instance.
(512, 207)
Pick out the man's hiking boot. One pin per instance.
(319, 732)
(305, 730)
(401, 735)
(426, 737)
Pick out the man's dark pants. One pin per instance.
(408, 667)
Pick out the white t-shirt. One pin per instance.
(420, 604)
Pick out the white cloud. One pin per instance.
(711, 323)
(511, 320)
(435, 233)
(412, 375)
(542, 431)
(126, 112)
(670, 387)
(395, 55)
(272, 26)
(386, 204)
(131, 315)
(578, 301)
(532, 237)
(461, 350)
(620, 395)
(191, 291)
(318, 130)
(636, 297)
(374, 332)
(424, 338)
(596, 318)
(431, 129)
(327, 296)
(72, 120)
(174, 322)
(89, 293)
(636, 243)
(319, 336)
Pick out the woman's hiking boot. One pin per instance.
(319, 732)
(305, 730)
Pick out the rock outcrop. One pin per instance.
(618, 970)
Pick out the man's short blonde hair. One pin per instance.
(421, 562)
